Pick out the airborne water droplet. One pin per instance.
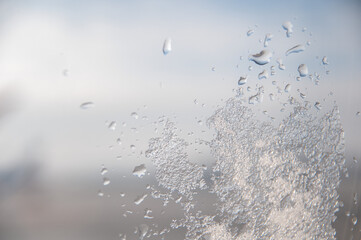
(112, 125)
(140, 199)
(288, 88)
(261, 58)
(288, 27)
(134, 115)
(100, 193)
(264, 74)
(140, 170)
(354, 220)
(143, 230)
(267, 38)
(104, 170)
(324, 60)
(86, 105)
(242, 80)
(280, 64)
(296, 49)
(303, 70)
(106, 181)
(318, 106)
(167, 46)
(250, 32)
(271, 96)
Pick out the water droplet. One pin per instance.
(288, 88)
(134, 115)
(264, 74)
(324, 60)
(304, 29)
(302, 95)
(213, 69)
(167, 46)
(242, 80)
(100, 193)
(87, 105)
(267, 38)
(280, 64)
(132, 147)
(347, 213)
(104, 170)
(303, 70)
(143, 230)
(318, 106)
(106, 181)
(271, 96)
(250, 32)
(358, 114)
(122, 194)
(355, 197)
(122, 236)
(261, 58)
(112, 125)
(140, 199)
(308, 43)
(119, 141)
(288, 27)
(296, 49)
(200, 122)
(140, 170)
(354, 220)
(147, 214)
(249, 68)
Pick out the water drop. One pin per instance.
(263, 75)
(304, 29)
(122, 236)
(271, 96)
(303, 70)
(267, 38)
(104, 170)
(213, 69)
(302, 95)
(281, 66)
(119, 141)
(86, 105)
(288, 27)
(140, 199)
(140, 170)
(112, 125)
(318, 106)
(288, 88)
(324, 60)
(132, 147)
(250, 32)
(134, 115)
(308, 43)
(296, 49)
(249, 68)
(106, 181)
(167, 46)
(200, 122)
(347, 213)
(354, 220)
(261, 58)
(147, 214)
(100, 193)
(358, 114)
(143, 230)
(242, 80)
(122, 194)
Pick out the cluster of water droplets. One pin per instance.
(268, 181)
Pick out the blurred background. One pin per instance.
(73, 73)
